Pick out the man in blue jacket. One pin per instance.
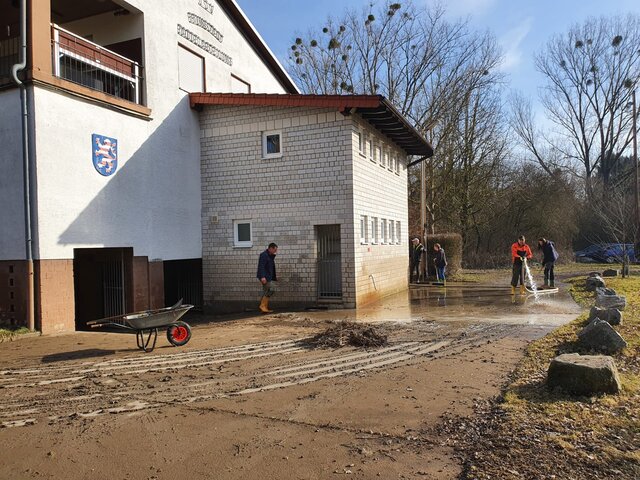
(267, 275)
(549, 257)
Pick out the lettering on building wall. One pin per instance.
(202, 23)
(205, 5)
(204, 45)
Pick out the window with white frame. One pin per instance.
(379, 157)
(190, 70)
(390, 165)
(398, 233)
(392, 231)
(384, 235)
(397, 164)
(370, 150)
(272, 144)
(364, 225)
(360, 141)
(374, 229)
(242, 233)
(386, 162)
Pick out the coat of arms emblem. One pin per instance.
(105, 154)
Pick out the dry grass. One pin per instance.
(537, 433)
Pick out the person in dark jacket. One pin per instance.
(440, 261)
(267, 275)
(416, 254)
(549, 258)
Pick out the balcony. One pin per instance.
(81, 61)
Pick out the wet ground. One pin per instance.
(249, 394)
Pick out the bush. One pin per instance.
(452, 245)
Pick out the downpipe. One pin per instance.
(25, 163)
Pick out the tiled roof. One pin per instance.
(376, 109)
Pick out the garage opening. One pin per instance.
(183, 280)
(102, 280)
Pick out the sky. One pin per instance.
(522, 27)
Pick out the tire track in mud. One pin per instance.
(133, 383)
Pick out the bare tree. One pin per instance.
(588, 72)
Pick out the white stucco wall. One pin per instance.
(12, 239)
(153, 201)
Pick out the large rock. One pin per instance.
(599, 335)
(605, 291)
(610, 272)
(584, 374)
(591, 283)
(611, 301)
(612, 316)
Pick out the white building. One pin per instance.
(118, 206)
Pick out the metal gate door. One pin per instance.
(329, 261)
(113, 287)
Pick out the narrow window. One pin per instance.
(370, 150)
(398, 233)
(397, 164)
(271, 144)
(383, 231)
(360, 143)
(379, 155)
(392, 231)
(242, 233)
(374, 230)
(364, 221)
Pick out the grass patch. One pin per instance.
(10, 333)
(562, 436)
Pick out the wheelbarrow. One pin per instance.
(147, 323)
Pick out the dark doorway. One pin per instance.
(102, 280)
(329, 261)
(183, 280)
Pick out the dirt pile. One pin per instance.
(349, 333)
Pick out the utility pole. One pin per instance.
(635, 169)
(423, 216)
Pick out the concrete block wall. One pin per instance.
(380, 268)
(284, 198)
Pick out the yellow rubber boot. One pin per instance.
(264, 305)
(522, 290)
(513, 290)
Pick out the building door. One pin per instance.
(329, 261)
(102, 280)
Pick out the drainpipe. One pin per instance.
(25, 162)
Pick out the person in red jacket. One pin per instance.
(519, 252)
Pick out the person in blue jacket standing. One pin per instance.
(267, 275)
(549, 258)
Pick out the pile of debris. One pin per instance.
(349, 333)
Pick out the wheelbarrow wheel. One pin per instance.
(179, 334)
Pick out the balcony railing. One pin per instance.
(86, 63)
(9, 49)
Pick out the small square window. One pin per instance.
(242, 233)
(271, 144)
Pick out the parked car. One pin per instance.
(614, 253)
(605, 253)
(587, 255)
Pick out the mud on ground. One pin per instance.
(252, 397)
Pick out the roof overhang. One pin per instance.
(246, 28)
(375, 109)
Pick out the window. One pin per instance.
(364, 221)
(271, 144)
(384, 235)
(392, 231)
(390, 164)
(242, 233)
(370, 150)
(386, 162)
(379, 155)
(239, 86)
(397, 164)
(398, 233)
(190, 70)
(374, 230)
(360, 143)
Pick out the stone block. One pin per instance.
(584, 374)
(612, 316)
(610, 272)
(599, 335)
